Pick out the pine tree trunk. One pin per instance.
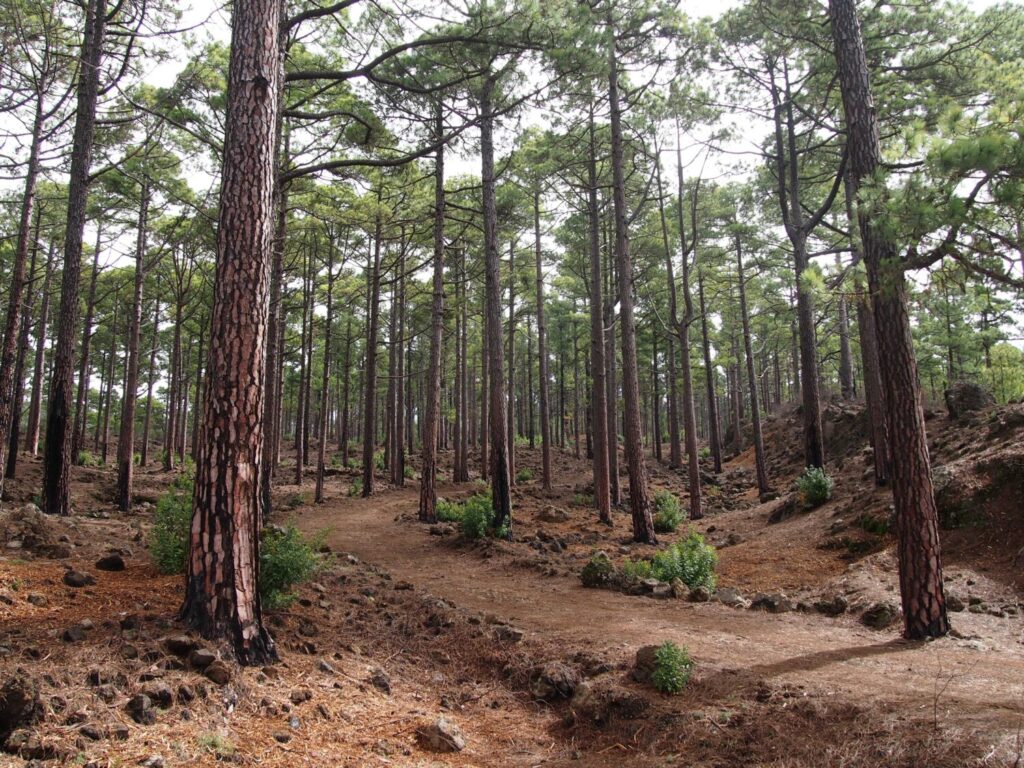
(370, 379)
(147, 422)
(18, 380)
(755, 407)
(510, 413)
(222, 598)
(57, 461)
(126, 433)
(325, 378)
(714, 426)
(35, 407)
(917, 523)
(639, 492)
(16, 290)
(500, 465)
(599, 387)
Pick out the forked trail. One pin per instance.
(982, 687)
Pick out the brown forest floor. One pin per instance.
(790, 689)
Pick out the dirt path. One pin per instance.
(981, 679)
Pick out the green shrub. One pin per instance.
(447, 512)
(357, 487)
(88, 459)
(477, 517)
(672, 667)
(667, 513)
(408, 472)
(524, 475)
(169, 538)
(286, 559)
(814, 487)
(583, 499)
(378, 461)
(704, 453)
(690, 560)
(636, 570)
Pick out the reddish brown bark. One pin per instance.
(222, 597)
(917, 520)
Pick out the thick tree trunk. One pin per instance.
(222, 597)
(510, 413)
(126, 432)
(370, 394)
(639, 492)
(874, 394)
(542, 351)
(325, 378)
(714, 425)
(16, 290)
(501, 479)
(599, 387)
(57, 462)
(755, 407)
(300, 411)
(171, 435)
(917, 523)
(18, 380)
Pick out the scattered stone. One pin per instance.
(140, 707)
(91, 732)
(300, 696)
(880, 616)
(201, 658)
(835, 605)
(380, 680)
(662, 591)
(644, 664)
(153, 761)
(106, 693)
(954, 602)
(733, 539)
(732, 598)
(185, 694)
(598, 572)
(773, 603)
(74, 634)
(282, 737)
(508, 634)
(160, 694)
(20, 704)
(784, 509)
(218, 672)
(111, 562)
(78, 579)
(552, 514)
(553, 680)
(699, 595)
(442, 735)
(118, 732)
(179, 645)
(37, 599)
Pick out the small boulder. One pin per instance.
(699, 595)
(732, 598)
(553, 680)
(964, 397)
(201, 658)
(20, 704)
(218, 672)
(179, 645)
(552, 514)
(784, 509)
(140, 707)
(644, 664)
(835, 605)
(773, 603)
(73, 634)
(111, 562)
(380, 680)
(508, 634)
(442, 735)
(77, 579)
(954, 602)
(880, 616)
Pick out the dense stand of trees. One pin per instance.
(609, 284)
